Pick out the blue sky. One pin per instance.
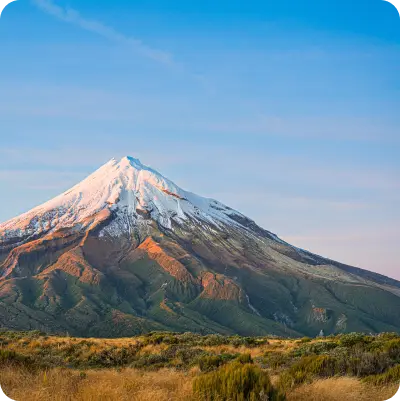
(286, 111)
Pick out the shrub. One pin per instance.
(153, 361)
(189, 356)
(304, 340)
(13, 358)
(392, 375)
(352, 339)
(190, 339)
(365, 363)
(392, 347)
(275, 359)
(252, 342)
(157, 338)
(236, 341)
(244, 358)
(340, 362)
(214, 340)
(357, 362)
(389, 336)
(249, 342)
(107, 358)
(316, 348)
(210, 362)
(178, 356)
(307, 368)
(236, 382)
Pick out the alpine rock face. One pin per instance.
(127, 251)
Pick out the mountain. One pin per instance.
(127, 251)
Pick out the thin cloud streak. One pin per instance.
(74, 17)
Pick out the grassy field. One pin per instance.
(167, 366)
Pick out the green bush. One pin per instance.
(236, 341)
(244, 358)
(159, 338)
(392, 375)
(236, 382)
(317, 348)
(306, 369)
(214, 340)
(190, 339)
(304, 340)
(150, 362)
(340, 362)
(249, 342)
(392, 347)
(177, 356)
(352, 339)
(275, 360)
(208, 363)
(13, 358)
(389, 336)
(112, 357)
(365, 363)
(360, 363)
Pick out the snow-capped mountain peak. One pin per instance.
(128, 251)
(125, 187)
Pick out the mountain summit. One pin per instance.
(127, 251)
(128, 189)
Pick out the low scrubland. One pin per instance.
(173, 366)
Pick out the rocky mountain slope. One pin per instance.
(127, 251)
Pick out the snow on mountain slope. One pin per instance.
(126, 187)
(127, 251)
(130, 195)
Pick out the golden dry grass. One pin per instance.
(104, 385)
(341, 389)
(59, 384)
(62, 341)
(273, 345)
(163, 385)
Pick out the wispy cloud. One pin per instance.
(74, 17)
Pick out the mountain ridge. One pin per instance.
(127, 250)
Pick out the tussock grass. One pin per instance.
(130, 384)
(168, 366)
(341, 389)
(96, 385)
(392, 375)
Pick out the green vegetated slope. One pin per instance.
(204, 281)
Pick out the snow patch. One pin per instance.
(251, 306)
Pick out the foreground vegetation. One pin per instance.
(168, 366)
